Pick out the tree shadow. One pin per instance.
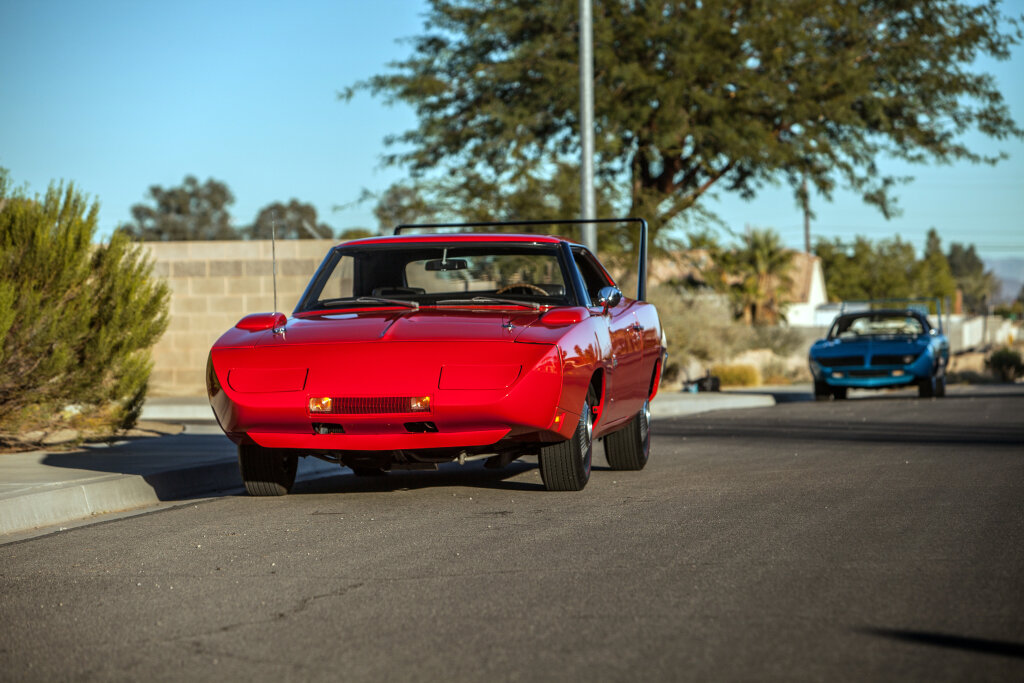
(946, 640)
(839, 421)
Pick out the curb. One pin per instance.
(48, 505)
(63, 503)
(679, 404)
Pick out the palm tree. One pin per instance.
(758, 275)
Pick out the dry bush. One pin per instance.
(737, 374)
(697, 326)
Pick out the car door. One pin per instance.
(630, 385)
(625, 385)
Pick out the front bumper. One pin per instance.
(873, 376)
(262, 395)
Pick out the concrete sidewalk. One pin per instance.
(45, 489)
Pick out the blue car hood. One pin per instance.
(870, 346)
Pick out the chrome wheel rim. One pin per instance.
(645, 422)
(587, 437)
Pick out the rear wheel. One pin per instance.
(629, 448)
(267, 471)
(565, 466)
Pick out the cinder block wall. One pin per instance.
(213, 285)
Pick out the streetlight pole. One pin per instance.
(588, 202)
(807, 217)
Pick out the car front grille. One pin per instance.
(841, 361)
(373, 405)
(893, 360)
(869, 373)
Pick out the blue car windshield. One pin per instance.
(876, 325)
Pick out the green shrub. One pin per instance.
(1005, 364)
(737, 375)
(696, 326)
(76, 319)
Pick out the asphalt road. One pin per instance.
(878, 538)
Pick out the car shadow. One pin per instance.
(471, 476)
(177, 467)
(780, 395)
(187, 466)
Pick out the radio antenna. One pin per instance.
(273, 252)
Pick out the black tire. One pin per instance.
(565, 466)
(926, 387)
(629, 448)
(940, 386)
(267, 471)
(839, 393)
(822, 392)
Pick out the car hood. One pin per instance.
(405, 325)
(893, 344)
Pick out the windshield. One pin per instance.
(878, 325)
(443, 275)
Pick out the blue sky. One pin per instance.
(117, 96)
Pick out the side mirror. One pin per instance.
(608, 297)
(256, 322)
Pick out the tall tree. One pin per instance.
(932, 275)
(472, 197)
(294, 220)
(977, 284)
(188, 212)
(864, 270)
(694, 96)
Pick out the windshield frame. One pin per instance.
(834, 333)
(309, 302)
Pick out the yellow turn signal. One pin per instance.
(420, 404)
(320, 404)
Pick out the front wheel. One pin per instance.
(629, 448)
(267, 471)
(822, 392)
(565, 466)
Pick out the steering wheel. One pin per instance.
(523, 285)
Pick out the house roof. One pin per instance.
(802, 277)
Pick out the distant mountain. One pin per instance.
(1010, 272)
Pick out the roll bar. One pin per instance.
(641, 285)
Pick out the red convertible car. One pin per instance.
(416, 349)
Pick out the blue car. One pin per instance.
(876, 349)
